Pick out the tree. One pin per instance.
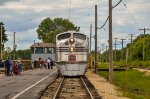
(23, 54)
(4, 36)
(49, 28)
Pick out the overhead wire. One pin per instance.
(108, 16)
(131, 14)
(69, 8)
(117, 4)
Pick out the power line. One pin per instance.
(108, 16)
(117, 4)
(69, 8)
(131, 14)
(104, 23)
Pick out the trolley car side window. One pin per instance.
(64, 36)
(79, 36)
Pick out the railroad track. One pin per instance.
(70, 88)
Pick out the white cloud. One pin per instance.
(24, 16)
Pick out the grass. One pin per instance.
(132, 83)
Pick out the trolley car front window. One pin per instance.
(79, 36)
(64, 36)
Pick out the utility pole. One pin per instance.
(90, 45)
(122, 42)
(14, 47)
(103, 52)
(131, 35)
(110, 44)
(96, 64)
(144, 29)
(126, 57)
(69, 8)
(122, 48)
(115, 47)
(90, 36)
(106, 53)
(1, 40)
(34, 50)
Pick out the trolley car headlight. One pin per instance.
(71, 40)
(72, 49)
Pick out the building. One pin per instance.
(43, 50)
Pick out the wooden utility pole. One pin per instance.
(90, 36)
(96, 64)
(126, 57)
(110, 44)
(102, 52)
(131, 35)
(122, 48)
(115, 47)
(14, 47)
(1, 40)
(122, 42)
(34, 50)
(106, 53)
(144, 29)
(90, 58)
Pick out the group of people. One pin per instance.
(13, 67)
(48, 63)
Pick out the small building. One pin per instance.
(43, 50)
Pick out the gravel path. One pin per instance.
(104, 89)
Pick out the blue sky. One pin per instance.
(24, 16)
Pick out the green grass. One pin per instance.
(132, 83)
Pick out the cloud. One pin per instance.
(24, 16)
(23, 39)
(3, 2)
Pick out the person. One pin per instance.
(8, 64)
(48, 63)
(45, 64)
(41, 63)
(51, 62)
(19, 64)
(1, 63)
(34, 64)
(15, 68)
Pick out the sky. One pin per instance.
(24, 17)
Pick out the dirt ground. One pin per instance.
(104, 89)
(146, 71)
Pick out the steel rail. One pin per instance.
(56, 93)
(87, 88)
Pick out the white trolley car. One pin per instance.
(72, 53)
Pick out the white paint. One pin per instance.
(32, 86)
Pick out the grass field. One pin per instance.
(132, 83)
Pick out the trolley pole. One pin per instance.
(110, 44)
(96, 64)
